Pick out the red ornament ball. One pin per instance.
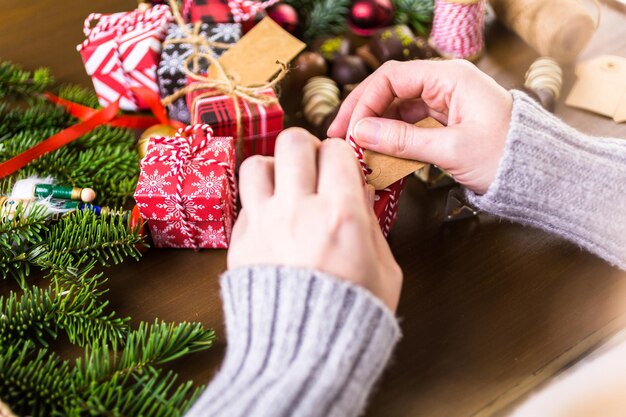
(368, 15)
(286, 16)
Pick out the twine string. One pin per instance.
(223, 84)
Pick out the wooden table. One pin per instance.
(489, 310)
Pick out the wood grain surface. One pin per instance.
(489, 310)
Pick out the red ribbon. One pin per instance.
(132, 122)
(90, 119)
(60, 139)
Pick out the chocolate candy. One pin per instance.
(321, 97)
(349, 69)
(399, 43)
(306, 66)
(332, 48)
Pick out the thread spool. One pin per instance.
(556, 28)
(320, 98)
(458, 28)
(545, 79)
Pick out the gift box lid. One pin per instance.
(205, 169)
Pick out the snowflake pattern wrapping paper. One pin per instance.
(122, 51)
(260, 123)
(171, 73)
(186, 190)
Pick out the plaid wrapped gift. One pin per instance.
(260, 123)
(176, 49)
(122, 51)
(186, 189)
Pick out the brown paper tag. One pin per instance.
(601, 87)
(388, 169)
(252, 60)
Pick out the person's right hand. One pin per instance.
(380, 113)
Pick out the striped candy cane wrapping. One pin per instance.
(385, 201)
(122, 51)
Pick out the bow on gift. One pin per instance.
(223, 84)
(184, 149)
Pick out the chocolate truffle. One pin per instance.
(306, 66)
(332, 48)
(399, 43)
(349, 69)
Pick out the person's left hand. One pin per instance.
(308, 207)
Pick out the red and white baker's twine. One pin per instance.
(390, 207)
(155, 16)
(458, 28)
(182, 141)
(244, 10)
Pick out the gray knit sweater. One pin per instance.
(302, 343)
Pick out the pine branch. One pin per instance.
(33, 381)
(81, 235)
(321, 17)
(153, 393)
(14, 81)
(39, 115)
(416, 13)
(18, 235)
(127, 383)
(80, 95)
(38, 315)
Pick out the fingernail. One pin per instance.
(367, 131)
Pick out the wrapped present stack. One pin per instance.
(187, 189)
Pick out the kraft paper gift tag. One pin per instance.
(252, 60)
(601, 87)
(388, 169)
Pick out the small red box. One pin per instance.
(211, 11)
(187, 191)
(261, 124)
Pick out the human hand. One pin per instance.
(381, 111)
(308, 207)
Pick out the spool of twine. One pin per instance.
(555, 28)
(458, 28)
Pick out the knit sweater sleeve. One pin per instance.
(560, 180)
(300, 343)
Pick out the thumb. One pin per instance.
(404, 140)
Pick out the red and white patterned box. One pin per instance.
(187, 190)
(122, 51)
(260, 123)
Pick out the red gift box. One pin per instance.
(386, 201)
(186, 189)
(260, 123)
(224, 11)
(122, 51)
(211, 11)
